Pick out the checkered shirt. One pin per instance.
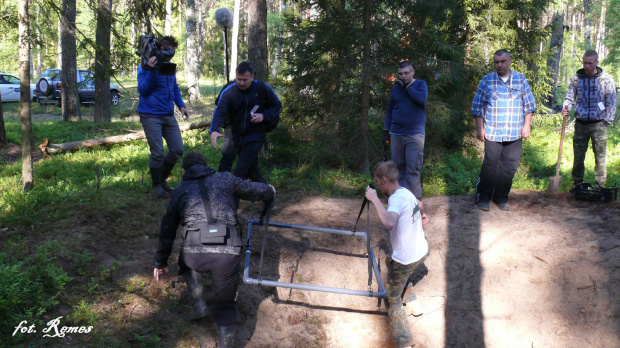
(503, 105)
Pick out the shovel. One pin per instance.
(555, 181)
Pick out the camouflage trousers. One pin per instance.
(583, 133)
(399, 290)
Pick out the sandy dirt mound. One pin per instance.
(545, 274)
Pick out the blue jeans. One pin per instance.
(157, 129)
(408, 155)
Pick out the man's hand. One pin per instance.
(184, 113)
(525, 131)
(214, 137)
(256, 118)
(424, 220)
(400, 82)
(158, 273)
(481, 133)
(152, 61)
(371, 194)
(565, 111)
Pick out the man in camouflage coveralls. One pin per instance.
(594, 94)
(405, 220)
(186, 208)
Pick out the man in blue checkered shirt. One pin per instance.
(503, 108)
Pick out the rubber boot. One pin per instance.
(157, 186)
(165, 172)
(196, 288)
(226, 336)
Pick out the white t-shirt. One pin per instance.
(408, 241)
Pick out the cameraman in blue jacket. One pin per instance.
(250, 106)
(159, 93)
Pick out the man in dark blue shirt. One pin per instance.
(249, 105)
(404, 127)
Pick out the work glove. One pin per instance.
(400, 82)
(386, 136)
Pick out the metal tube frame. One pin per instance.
(253, 281)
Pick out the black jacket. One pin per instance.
(186, 206)
(236, 105)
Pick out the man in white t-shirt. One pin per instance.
(405, 220)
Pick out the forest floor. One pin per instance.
(545, 274)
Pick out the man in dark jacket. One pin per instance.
(593, 93)
(158, 95)
(404, 124)
(249, 105)
(208, 196)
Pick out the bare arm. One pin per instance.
(481, 134)
(527, 123)
(388, 219)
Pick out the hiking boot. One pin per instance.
(166, 169)
(413, 308)
(503, 206)
(226, 336)
(161, 192)
(484, 206)
(166, 187)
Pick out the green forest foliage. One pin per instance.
(450, 43)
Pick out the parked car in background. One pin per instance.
(10, 88)
(49, 86)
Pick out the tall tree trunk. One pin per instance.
(24, 75)
(600, 37)
(38, 44)
(364, 164)
(69, 94)
(553, 62)
(588, 23)
(59, 44)
(191, 58)
(235, 40)
(3, 139)
(102, 62)
(276, 58)
(168, 22)
(257, 37)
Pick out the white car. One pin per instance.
(10, 88)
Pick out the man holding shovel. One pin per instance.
(593, 93)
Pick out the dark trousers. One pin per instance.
(247, 161)
(228, 152)
(224, 270)
(158, 129)
(499, 166)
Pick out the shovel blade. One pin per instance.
(554, 183)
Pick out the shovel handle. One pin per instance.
(557, 167)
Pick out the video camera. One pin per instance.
(148, 47)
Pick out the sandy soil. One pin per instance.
(544, 274)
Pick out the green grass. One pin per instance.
(50, 237)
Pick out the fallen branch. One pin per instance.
(49, 149)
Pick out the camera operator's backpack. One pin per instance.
(270, 125)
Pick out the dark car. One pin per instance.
(49, 85)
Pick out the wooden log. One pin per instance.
(49, 149)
